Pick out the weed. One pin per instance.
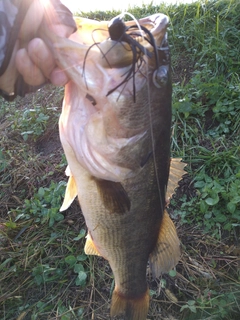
(219, 201)
(217, 205)
(30, 122)
(211, 305)
(44, 206)
(3, 160)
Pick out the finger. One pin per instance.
(32, 20)
(41, 56)
(62, 30)
(58, 77)
(32, 75)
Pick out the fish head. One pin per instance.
(115, 75)
(93, 42)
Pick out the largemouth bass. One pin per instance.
(115, 131)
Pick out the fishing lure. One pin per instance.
(118, 31)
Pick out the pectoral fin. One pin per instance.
(175, 175)
(166, 253)
(70, 194)
(114, 196)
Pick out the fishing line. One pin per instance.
(149, 101)
(118, 32)
(134, 19)
(149, 104)
(152, 139)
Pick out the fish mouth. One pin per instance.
(117, 52)
(110, 52)
(111, 45)
(92, 31)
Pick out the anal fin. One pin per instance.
(90, 247)
(134, 308)
(166, 253)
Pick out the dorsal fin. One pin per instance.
(176, 173)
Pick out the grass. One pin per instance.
(44, 273)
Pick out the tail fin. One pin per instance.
(131, 309)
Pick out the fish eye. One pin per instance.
(160, 76)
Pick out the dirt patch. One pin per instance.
(182, 70)
(49, 143)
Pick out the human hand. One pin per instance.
(30, 56)
(36, 62)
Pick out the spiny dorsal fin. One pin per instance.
(89, 247)
(166, 253)
(70, 194)
(176, 173)
(113, 195)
